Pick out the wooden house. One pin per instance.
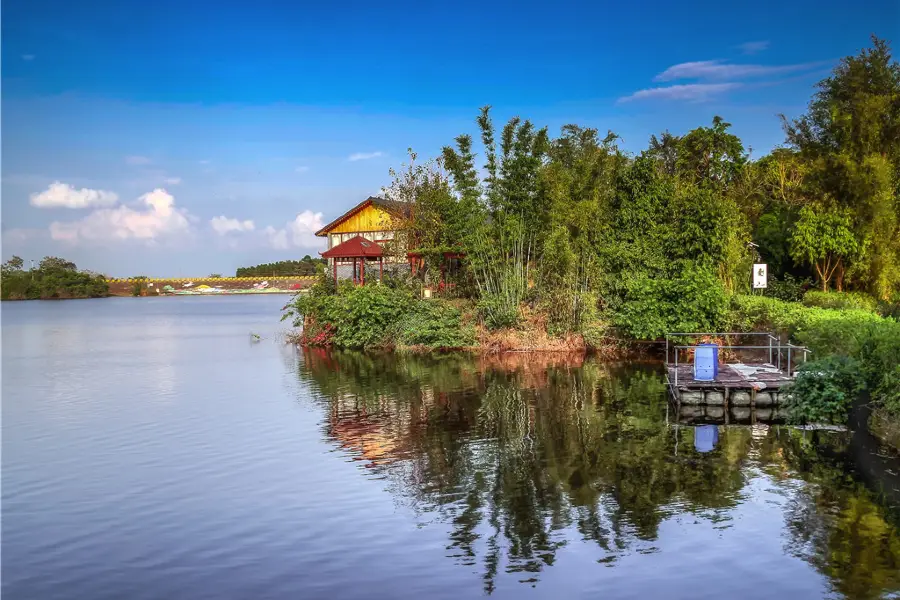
(365, 237)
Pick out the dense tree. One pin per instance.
(53, 278)
(850, 139)
(578, 229)
(304, 266)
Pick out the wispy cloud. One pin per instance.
(302, 169)
(721, 70)
(172, 180)
(137, 160)
(754, 47)
(364, 156)
(27, 57)
(204, 161)
(693, 92)
(63, 195)
(224, 225)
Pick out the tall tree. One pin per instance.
(711, 155)
(824, 239)
(850, 136)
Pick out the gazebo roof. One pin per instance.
(356, 247)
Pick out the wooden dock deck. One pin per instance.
(736, 376)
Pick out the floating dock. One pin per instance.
(741, 391)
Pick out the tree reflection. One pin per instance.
(517, 453)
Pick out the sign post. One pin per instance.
(760, 276)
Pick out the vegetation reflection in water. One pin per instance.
(521, 455)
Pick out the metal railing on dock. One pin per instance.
(774, 346)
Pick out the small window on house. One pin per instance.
(335, 239)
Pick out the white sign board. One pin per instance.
(759, 276)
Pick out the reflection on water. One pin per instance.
(523, 457)
(152, 449)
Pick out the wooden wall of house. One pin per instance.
(371, 218)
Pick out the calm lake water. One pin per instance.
(153, 449)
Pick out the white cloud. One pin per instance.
(156, 217)
(364, 156)
(717, 69)
(63, 195)
(302, 169)
(299, 233)
(277, 238)
(754, 47)
(695, 92)
(223, 225)
(137, 160)
(27, 57)
(204, 162)
(172, 180)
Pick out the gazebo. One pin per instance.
(357, 250)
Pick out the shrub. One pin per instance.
(890, 308)
(497, 312)
(823, 391)
(871, 341)
(789, 288)
(694, 300)
(840, 300)
(825, 331)
(352, 317)
(434, 324)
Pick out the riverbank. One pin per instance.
(855, 350)
(208, 285)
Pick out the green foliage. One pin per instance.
(53, 278)
(840, 300)
(376, 316)
(863, 336)
(788, 288)
(823, 391)
(773, 234)
(434, 324)
(824, 239)
(304, 266)
(691, 300)
(848, 140)
(710, 155)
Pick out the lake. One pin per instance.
(152, 448)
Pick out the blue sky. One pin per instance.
(184, 138)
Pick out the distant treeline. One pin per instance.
(53, 278)
(304, 266)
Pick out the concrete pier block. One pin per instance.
(715, 412)
(764, 414)
(691, 397)
(740, 399)
(715, 398)
(741, 413)
(763, 399)
(689, 411)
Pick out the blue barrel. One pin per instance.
(706, 362)
(705, 438)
